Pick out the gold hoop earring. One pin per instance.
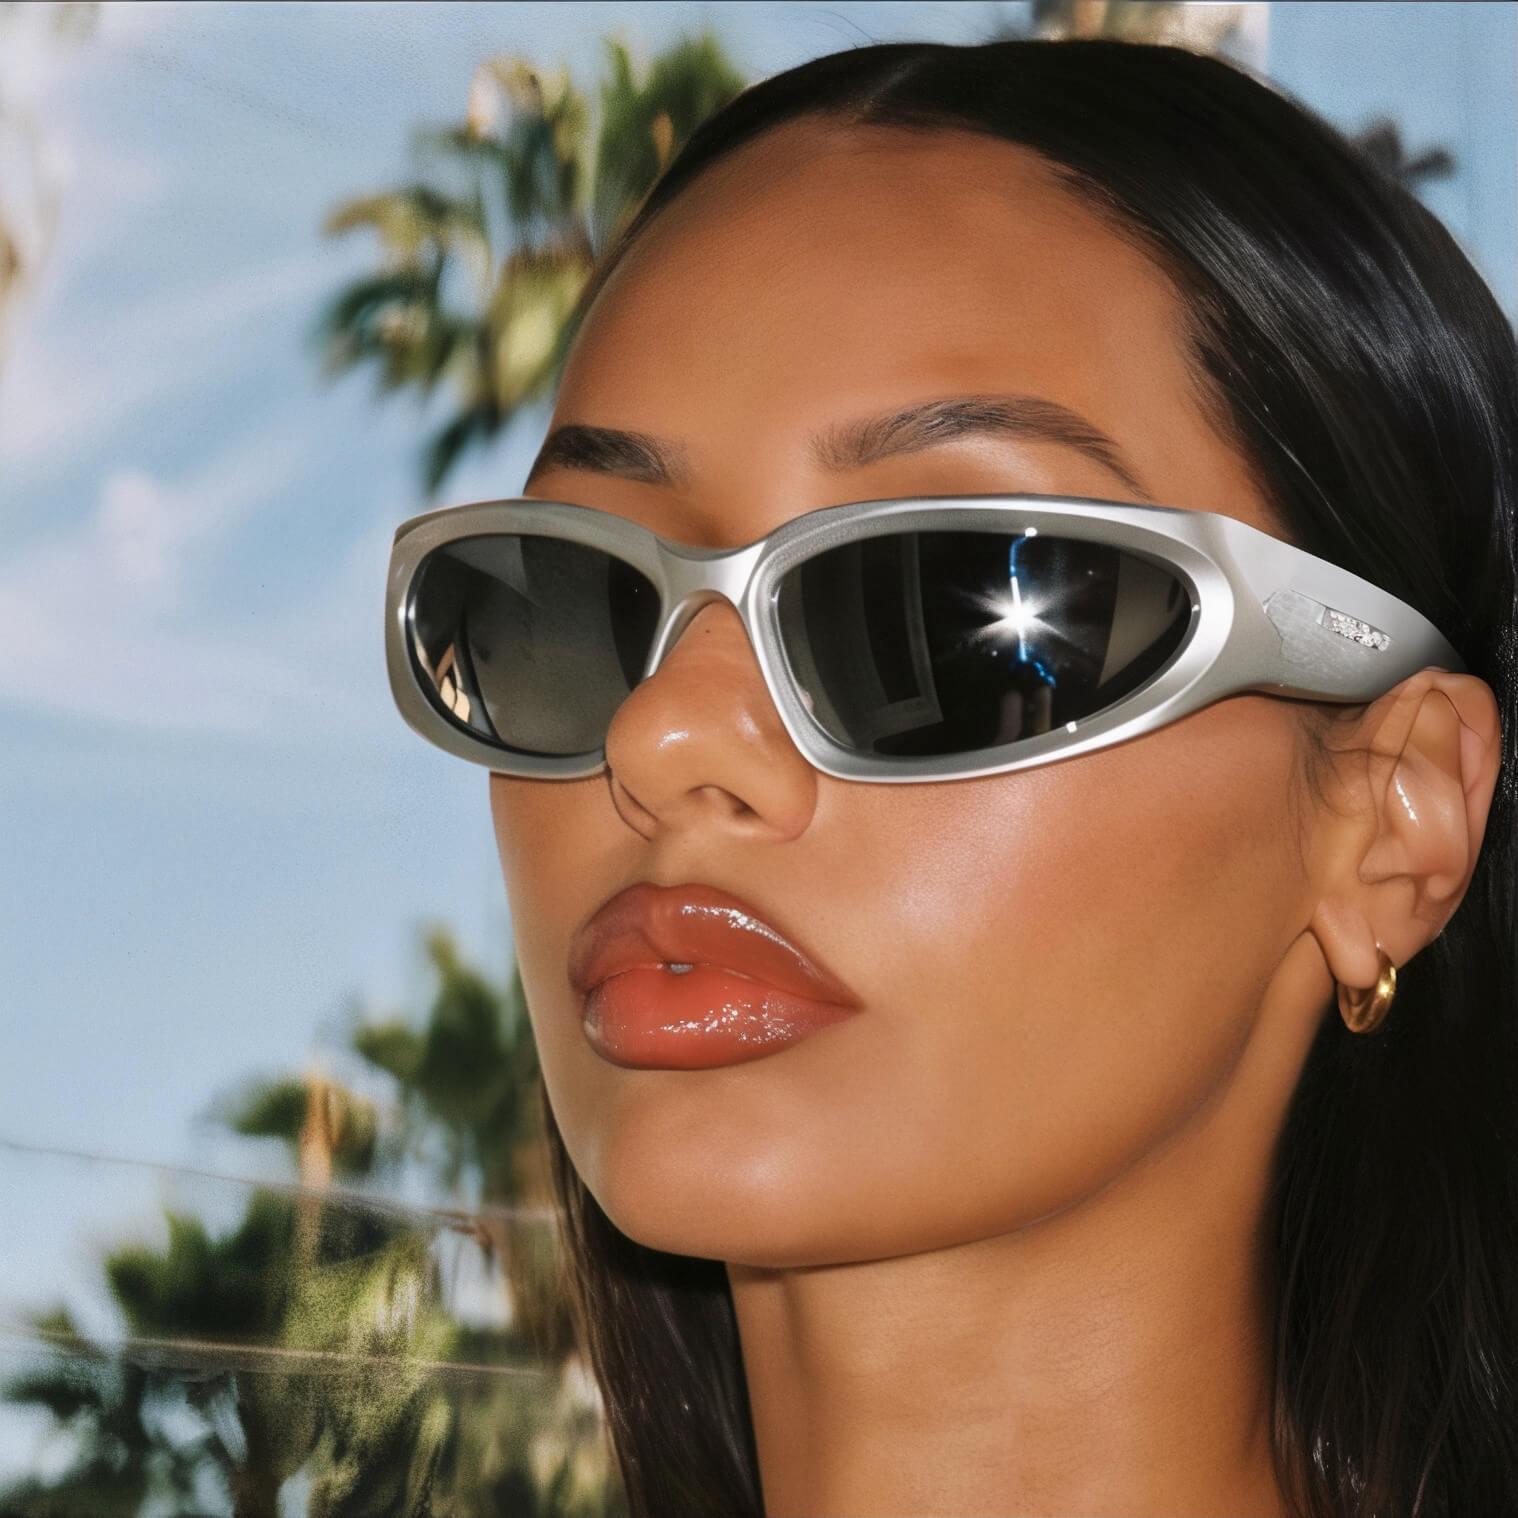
(1364, 1010)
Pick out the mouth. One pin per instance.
(688, 977)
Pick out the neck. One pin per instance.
(1113, 1358)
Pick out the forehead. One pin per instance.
(825, 271)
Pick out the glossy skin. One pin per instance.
(993, 1242)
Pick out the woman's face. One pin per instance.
(1057, 967)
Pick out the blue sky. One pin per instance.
(219, 836)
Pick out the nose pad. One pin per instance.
(700, 742)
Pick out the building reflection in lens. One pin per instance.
(445, 679)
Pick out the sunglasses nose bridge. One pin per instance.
(695, 577)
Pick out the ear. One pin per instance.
(1395, 859)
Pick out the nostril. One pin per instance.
(721, 797)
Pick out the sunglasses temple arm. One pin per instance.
(1305, 627)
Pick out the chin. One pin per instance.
(705, 1200)
(771, 1210)
(683, 1199)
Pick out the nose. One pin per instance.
(699, 743)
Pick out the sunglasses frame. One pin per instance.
(1266, 616)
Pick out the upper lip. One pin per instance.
(647, 925)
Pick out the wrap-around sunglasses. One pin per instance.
(934, 638)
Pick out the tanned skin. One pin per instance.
(995, 1243)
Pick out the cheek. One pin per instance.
(1058, 967)
(1109, 874)
(560, 859)
(1089, 942)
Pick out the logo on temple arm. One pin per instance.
(1354, 629)
(1304, 625)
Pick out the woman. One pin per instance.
(1036, 1134)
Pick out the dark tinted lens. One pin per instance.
(530, 642)
(925, 643)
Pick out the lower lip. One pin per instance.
(656, 1019)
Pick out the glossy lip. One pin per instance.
(690, 978)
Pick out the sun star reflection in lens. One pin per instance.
(1013, 613)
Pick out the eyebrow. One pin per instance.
(609, 450)
(852, 445)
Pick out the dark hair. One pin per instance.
(1367, 375)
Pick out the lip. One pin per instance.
(749, 990)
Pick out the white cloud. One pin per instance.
(140, 528)
(92, 346)
(62, 383)
(101, 621)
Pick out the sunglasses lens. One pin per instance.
(939, 643)
(527, 642)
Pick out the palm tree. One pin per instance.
(29, 194)
(314, 1337)
(1381, 142)
(484, 256)
(96, 1401)
(1208, 28)
(224, 1291)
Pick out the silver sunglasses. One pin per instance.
(933, 638)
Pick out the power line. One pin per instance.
(464, 1220)
(158, 1353)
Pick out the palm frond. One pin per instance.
(474, 425)
(644, 125)
(1381, 142)
(410, 220)
(483, 260)
(397, 322)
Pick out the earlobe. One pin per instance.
(1415, 829)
